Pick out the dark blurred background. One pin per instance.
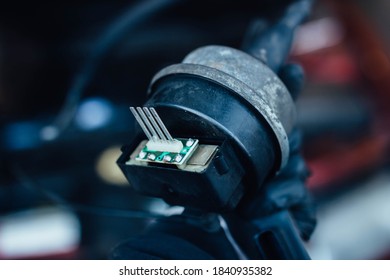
(61, 194)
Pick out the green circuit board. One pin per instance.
(164, 157)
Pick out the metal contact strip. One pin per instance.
(148, 124)
(161, 124)
(141, 123)
(155, 125)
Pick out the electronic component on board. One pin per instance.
(161, 146)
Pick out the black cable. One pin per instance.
(56, 199)
(271, 43)
(130, 19)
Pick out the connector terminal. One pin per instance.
(174, 146)
(161, 147)
(166, 156)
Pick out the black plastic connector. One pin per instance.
(217, 188)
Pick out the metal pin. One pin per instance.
(161, 124)
(141, 123)
(155, 125)
(148, 124)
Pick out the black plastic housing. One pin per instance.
(217, 188)
(195, 107)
